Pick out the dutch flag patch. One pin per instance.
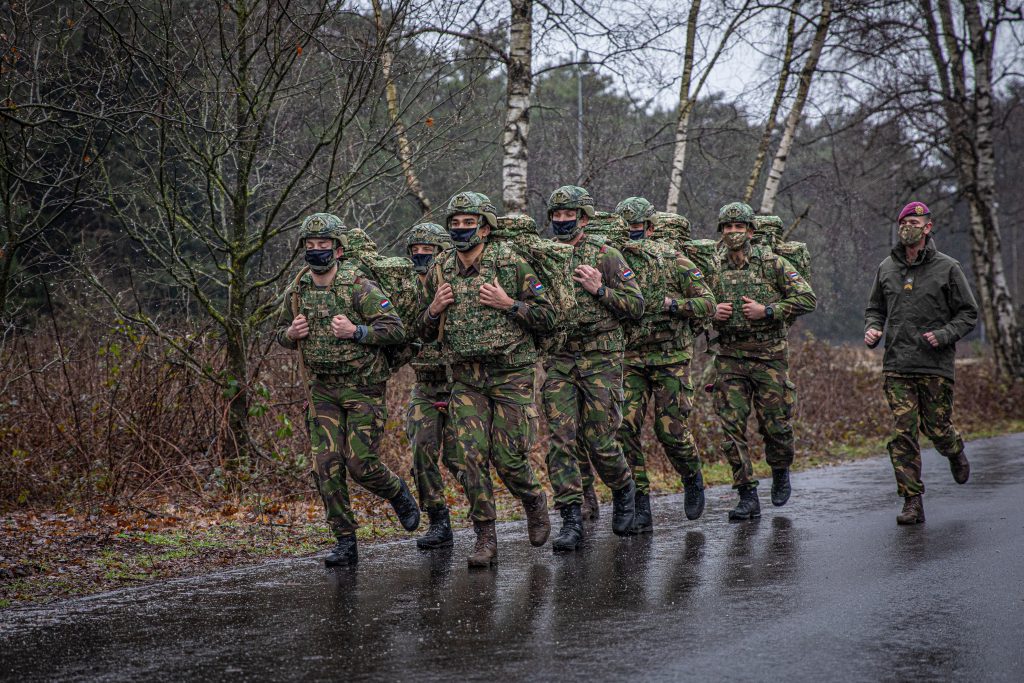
(627, 274)
(385, 305)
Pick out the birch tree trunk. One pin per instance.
(412, 181)
(1001, 319)
(771, 188)
(517, 110)
(675, 181)
(780, 92)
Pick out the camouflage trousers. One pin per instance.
(493, 420)
(922, 402)
(345, 437)
(583, 405)
(764, 386)
(426, 426)
(669, 386)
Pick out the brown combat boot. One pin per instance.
(913, 511)
(591, 509)
(960, 468)
(538, 524)
(485, 552)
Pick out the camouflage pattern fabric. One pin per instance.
(345, 438)
(583, 405)
(597, 327)
(474, 332)
(925, 403)
(426, 425)
(765, 386)
(670, 388)
(494, 421)
(351, 293)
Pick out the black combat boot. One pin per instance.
(485, 550)
(571, 534)
(439, 533)
(960, 468)
(913, 511)
(344, 553)
(591, 508)
(538, 523)
(406, 509)
(642, 521)
(693, 495)
(780, 486)
(749, 506)
(624, 509)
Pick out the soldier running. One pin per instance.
(486, 334)
(758, 292)
(340, 320)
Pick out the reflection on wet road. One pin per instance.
(826, 586)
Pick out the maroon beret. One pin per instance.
(914, 209)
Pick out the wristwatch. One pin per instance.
(600, 291)
(673, 307)
(769, 312)
(359, 333)
(513, 309)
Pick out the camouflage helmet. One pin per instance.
(571, 197)
(428, 233)
(323, 225)
(635, 210)
(473, 203)
(736, 212)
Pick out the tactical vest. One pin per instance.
(593, 319)
(323, 352)
(474, 332)
(756, 281)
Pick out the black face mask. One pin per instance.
(637, 234)
(465, 239)
(564, 229)
(320, 260)
(420, 262)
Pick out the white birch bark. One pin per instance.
(675, 181)
(519, 69)
(771, 188)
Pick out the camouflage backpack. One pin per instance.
(670, 227)
(768, 231)
(610, 226)
(394, 276)
(552, 262)
(651, 263)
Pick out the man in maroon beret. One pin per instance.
(921, 299)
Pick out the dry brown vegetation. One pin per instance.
(119, 465)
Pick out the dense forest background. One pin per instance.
(157, 158)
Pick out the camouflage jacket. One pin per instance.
(767, 278)
(597, 326)
(475, 333)
(359, 298)
(672, 340)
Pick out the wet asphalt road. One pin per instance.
(827, 587)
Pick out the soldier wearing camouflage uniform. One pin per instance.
(583, 390)
(485, 334)
(427, 416)
(340, 320)
(921, 299)
(758, 291)
(658, 367)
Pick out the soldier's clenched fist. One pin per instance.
(588, 277)
(872, 336)
(723, 311)
(342, 327)
(443, 298)
(299, 329)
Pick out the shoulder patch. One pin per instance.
(534, 284)
(696, 274)
(626, 274)
(385, 305)
(792, 275)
